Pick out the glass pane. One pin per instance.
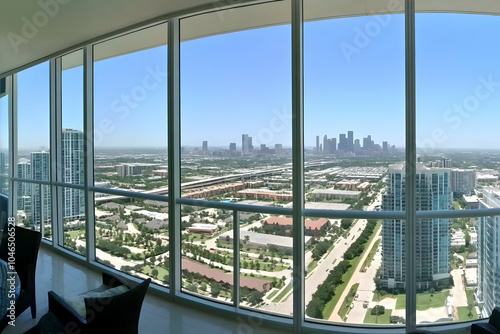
(132, 236)
(4, 134)
(483, 233)
(354, 121)
(130, 102)
(72, 119)
(33, 122)
(34, 209)
(266, 261)
(207, 263)
(236, 105)
(73, 211)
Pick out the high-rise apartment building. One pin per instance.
(350, 141)
(72, 157)
(23, 188)
(463, 181)
(433, 239)
(232, 146)
(41, 198)
(488, 256)
(245, 144)
(204, 146)
(317, 143)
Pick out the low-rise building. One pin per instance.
(313, 228)
(335, 194)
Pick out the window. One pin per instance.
(234, 239)
(236, 148)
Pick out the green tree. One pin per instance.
(315, 308)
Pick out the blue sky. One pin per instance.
(241, 83)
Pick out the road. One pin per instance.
(365, 288)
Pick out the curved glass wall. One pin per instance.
(94, 176)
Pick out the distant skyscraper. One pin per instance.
(343, 146)
(23, 188)
(245, 145)
(317, 143)
(325, 144)
(350, 141)
(488, 257)
(250, 145)
(433, 235)
(204, 146)
(72, 157)
(357, 146)
(41, 199)
(278, 148)
(232, 146)
(385, 146)
(367, 143)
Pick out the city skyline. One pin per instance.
(362, 95)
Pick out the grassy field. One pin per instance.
(327, 312)
(312, 265)
(74, 234)
(161, 271)
(424, 300)
(283, 293)
(370, 257)
(272, 294)
(463, 313)
(382, 319)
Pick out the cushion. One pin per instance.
(78, 302)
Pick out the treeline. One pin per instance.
(358, 246)
(321, 248)
(326, 290)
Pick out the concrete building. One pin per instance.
(488, 256)
(335, 194)
(261, 240)
(72, 157)
(41, 198)
(313, 228)
(463, 181)
(433, 236)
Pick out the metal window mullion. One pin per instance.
(11, 86)
(174, 156)
(55, 149)
(410, 151)
(236, 259)
(88, 135)
(298, 164)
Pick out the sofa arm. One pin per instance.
(65, 313)
(483, 328)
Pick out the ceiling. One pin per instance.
(31, 30)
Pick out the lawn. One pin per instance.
(161, 271)
(74, 234)
(312, 265)
(370, 257)
(381, 319)
(272, 294)
(283, 294)
(424, 300)
(470, 296)
(463, 313)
